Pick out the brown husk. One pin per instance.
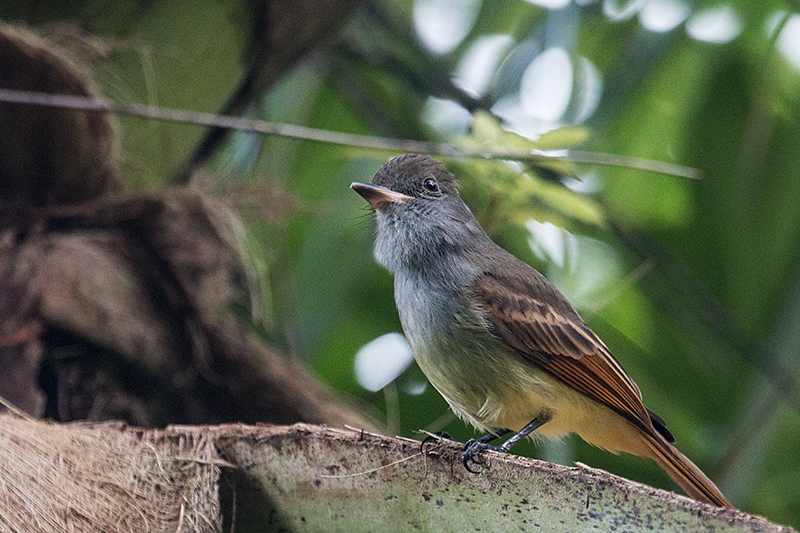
(98, 478)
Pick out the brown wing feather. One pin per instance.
(563, 346)
(553, 337)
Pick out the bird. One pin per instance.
(500, 343)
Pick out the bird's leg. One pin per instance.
(474, 447)
(532, 426)
(489, 437)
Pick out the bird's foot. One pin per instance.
(472, 452)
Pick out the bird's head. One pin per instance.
(418, 210)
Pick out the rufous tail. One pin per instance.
(683, 472)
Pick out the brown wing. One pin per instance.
(562, 345)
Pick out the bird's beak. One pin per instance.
(378, 196)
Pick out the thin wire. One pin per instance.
(342, 476)
(334, 137)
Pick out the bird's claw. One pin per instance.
(472, 453)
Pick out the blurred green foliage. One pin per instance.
(703, 311)
(701, 300)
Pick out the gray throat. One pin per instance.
(433, 280)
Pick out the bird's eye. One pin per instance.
(430, 185)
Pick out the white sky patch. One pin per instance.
(380, 361)
(719, 24)
(581, 267)
(443, 24)
(415, 388)
(661, 16)
(595, 270)
(515, 119)
(555, 89)
(772, 21)
(619, 10)
(547, 241)
(550, 4)
(446, 116)
(587, 184)
(788, 42)
(546, 85)
(475, 71)
(589, 89)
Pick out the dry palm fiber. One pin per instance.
(103, 477)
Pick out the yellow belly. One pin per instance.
(517, 394)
